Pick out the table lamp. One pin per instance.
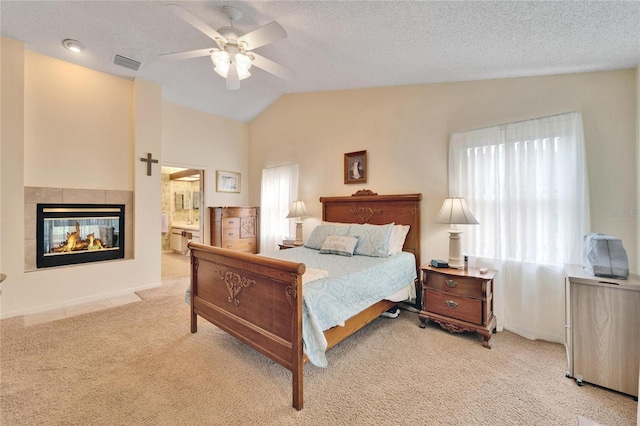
(455, 212)
(298, 211)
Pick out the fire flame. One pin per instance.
(75, 242)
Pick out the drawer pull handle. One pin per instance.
(250, 242)
(229, 245)
(229, 211)
(230, 222)
(451, 283)
(451, 304)
(230, 234)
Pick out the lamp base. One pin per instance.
(455, 249)
(298, 241)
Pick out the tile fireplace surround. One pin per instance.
(36, 195)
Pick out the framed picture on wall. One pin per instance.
(355, 167)
(227, 181)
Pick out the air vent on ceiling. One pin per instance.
(132, 64)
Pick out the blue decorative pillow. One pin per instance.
(373, 240)
(321, 232)
(337, 244)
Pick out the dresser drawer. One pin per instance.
(230, 234)
(235, 228)
(238, 211)
(460, 286)
(247, 245)
(231, 222)
(453, 306)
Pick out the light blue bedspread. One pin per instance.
(354, 284)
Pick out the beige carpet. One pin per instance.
(138, 364)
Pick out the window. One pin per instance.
(279, 191)
(526, 184)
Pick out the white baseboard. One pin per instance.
(528, 334)
(78, 301)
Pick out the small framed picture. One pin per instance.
(227, 181)
(355, 167)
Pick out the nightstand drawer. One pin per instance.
(457, 307)
(460, 286)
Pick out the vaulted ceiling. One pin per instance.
(334, 45)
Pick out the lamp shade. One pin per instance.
(298, 209)
(455, 211)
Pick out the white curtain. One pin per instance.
(279, 191)
(526, 184)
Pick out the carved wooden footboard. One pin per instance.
(255, 299)
(259, 300)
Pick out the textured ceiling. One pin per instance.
(334, 45)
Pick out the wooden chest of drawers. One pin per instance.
(235, 228)
(459, 300)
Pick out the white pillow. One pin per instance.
(321, 232)
(338, 244)
(398, 235)
(373, 240)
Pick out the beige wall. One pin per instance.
(66, 126)
(78, 131)
(638, 174)
(207, 142)
(11, 170)
(60, 138)
(406, 131)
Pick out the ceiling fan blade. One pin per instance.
(188, 54)
(264, 35)
(233, 80)
(190, 18)
(270, 66)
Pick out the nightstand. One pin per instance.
(459, 300)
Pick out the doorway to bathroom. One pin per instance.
(182, 217)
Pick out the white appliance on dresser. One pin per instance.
(602, 331)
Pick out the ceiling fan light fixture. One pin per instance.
(243, 61)
(233, 47)
(223, 70)
(221, 62)
(220, 57)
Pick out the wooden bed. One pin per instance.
(258, 300)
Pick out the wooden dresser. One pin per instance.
(602, 334)
(459, 300)
(235, 228)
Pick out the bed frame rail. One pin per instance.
(256, 299)
(259, 300)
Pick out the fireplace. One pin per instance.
(68, 234)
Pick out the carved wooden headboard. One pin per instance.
(368, 207)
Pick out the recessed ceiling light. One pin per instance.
(73, 45)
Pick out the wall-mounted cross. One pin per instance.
(148, 160)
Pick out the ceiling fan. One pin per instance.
(233, 55)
